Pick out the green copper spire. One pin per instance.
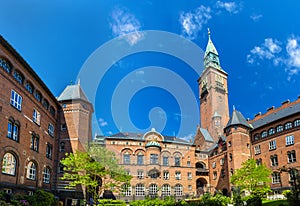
(211, 56)
(210, 45)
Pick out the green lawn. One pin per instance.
(274, 202)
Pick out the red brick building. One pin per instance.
(37, 129)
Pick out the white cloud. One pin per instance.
(231, 7)
(189, 137)
(102, 122)
(266, 50)
(126, 25)
(193, 21)
(271, 50)
(256, 17)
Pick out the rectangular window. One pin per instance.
(214, 165)
(153, 158)
(140, 174)
(49, 151)
(177, 161)
(126, 159)
(166, 175)
(289, 140)
(165, 161)
(272, 145)
(274, 160)
(189, 175)
(214, 175)
(51, 129)
(140, 159)
(16, 100)
(275, 178)
(222, 160)
(178, 175)
(34, 144)
(222, 173)
(36, 117)
(257, 149)
(291, 156)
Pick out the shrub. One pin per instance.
(253, 200)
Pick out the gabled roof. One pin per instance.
(72, 92)
(206, 135)
(237, 119)
(292, 109)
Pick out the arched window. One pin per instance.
(126, 158)
(140, 158)
(126, 190)
(18, 76)
(256, 137)
(140, 190)
(297, 123)
(5, 65)
(271, 131)
(45, 104)
(29, 87)
(178, 190)
(279, 128)
(9, 164)
(264, 134)
(52, 111)
(38, 95)
(177, 160)
(46, 175)
(31, 171)
(153, 190)
(166, 190)
(288, 125)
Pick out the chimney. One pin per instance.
(285, 102)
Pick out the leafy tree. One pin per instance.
(95, 170)
(252, 177)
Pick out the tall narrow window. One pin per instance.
(140, 190)
(257, 149)
(34, 143)
(289, 140)
(13, 130)
(297, 123)
(9, 164)
(291, 156)
(140, 159)
(52, 111)
(16, 100)
(165, 160)
(272, 145)
(31, 171)
(275, 178)
(62, 147)
(49, 151)
(166, 190)
(51, 129)
(178, 175)
(177, 161)
(126, 190)
(126, 158)
(45, 104)
(274, 160)
(166, 175)
(178, 190)
(36, 117)
(46, 175)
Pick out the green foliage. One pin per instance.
(237, 197)
(111, 202)
(96, 169)
(252, 177)
(168, 201)
(253, 200)
(217, 200)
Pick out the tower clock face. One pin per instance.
(219, 78)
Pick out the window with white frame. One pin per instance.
(34, 143)
(51, 130)
(62, 146)
(140, 174)
(297, 123)
(289, 140)
(264, 134)
(272, 145)
(189, 174)
(222, 161)
(16, 100)
(257, 149)
(271, 131)
(288, 125)
(31, 171)
(13, 130)
(49, 149)
(291, 156)
(9, 164)
(140, 190)
(279, 128)
(36, 117)
(178, 175)
(126, 190)
(46, 175)
(274, 160)
(153, 158)
(166, 190)
(153, 189)
(166, 175)
(275, 178)
(178, 190)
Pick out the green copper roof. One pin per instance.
(210, 46)
(152, 144)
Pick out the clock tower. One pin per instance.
(213, 92)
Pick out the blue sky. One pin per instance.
(258, 43)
